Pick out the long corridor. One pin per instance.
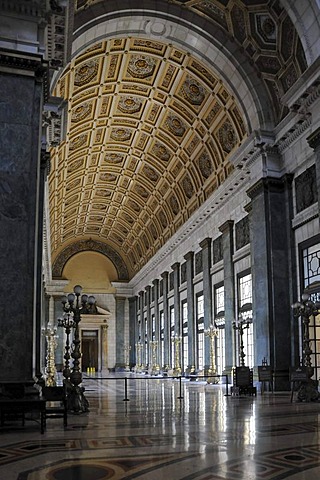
(148, 432)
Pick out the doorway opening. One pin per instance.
(89, 350)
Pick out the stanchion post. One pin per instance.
(126, 399)
(180, 389)
(227, 384)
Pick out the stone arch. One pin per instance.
(211, 45)
(90, 245)
(309, 34)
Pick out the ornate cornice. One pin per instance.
(34, 8)
(294, 133)
(27, 63)
(90, 245)
(269, 184)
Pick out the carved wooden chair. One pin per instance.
(56, 403)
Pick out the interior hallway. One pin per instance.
(204, 436)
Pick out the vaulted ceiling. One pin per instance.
(149, 133)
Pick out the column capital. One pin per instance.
(175, 266)
(206, 243)
(274, 184)
(155, 281)
(164, 275)
(189, 256)
(227, 226)
(248, 207)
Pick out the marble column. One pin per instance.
(142, 328)
(133, 329)
(207, 296)
(189, 257)
(271, 265)
(104, 342)
(176, 301)
(167, 339)
(21, 79)
(229, 296)
(156, 318)
(120, 329)
(149, 322)
(314, 142)
(40, 309)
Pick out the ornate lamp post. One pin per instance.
(51, 337)
(155, 369)
(176, 339)
(241, 326)
(212, 333)
(308, 391)
(139, 347)
(67, 323)
(75, 305)
(127, 349)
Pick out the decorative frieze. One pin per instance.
(198, 263)
(306, 189)
(53, 122)
(242, 232)
(217, 251)
(171, 281)
(183, 272)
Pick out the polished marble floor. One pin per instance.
(139, 428)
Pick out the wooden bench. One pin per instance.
(17, 399)
(15, 407)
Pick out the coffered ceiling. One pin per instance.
(150, 129)
(149, 133)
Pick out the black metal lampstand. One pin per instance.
(308, 391)
(74, 305)
(241, 326)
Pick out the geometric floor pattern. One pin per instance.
(156, 435)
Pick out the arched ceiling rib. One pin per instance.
(149, 133)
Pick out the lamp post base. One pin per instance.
(215, 380)
(308, 391)
(77, 402)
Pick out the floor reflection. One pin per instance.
(155, 434)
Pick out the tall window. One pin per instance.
(172, 334)
(219, 320)
(311, 279)
(245, 314)
(200, 331)
(161, 338)
(185, 334)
